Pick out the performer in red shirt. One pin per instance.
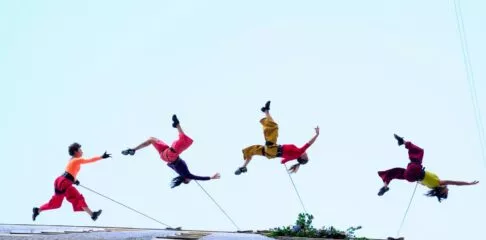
(287, 152)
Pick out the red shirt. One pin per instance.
(291, 152)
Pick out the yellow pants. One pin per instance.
(270, 131)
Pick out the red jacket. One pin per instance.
(291, 152)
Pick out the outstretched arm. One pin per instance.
(313, 139)
(90, 160)
(195, 177)
(80, 161)
(303, 149)
(93, 159)
(457, 183)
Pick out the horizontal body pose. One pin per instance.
(416, 172)
(63, 185)
(171, 155)
(272, 149)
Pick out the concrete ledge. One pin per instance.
(304, 238)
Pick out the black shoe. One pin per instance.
(175, 121)
(35, 213)
(241, 170)
(266, 107)
(383, 190)
(399, 139)
(96, 215)
(128, 152)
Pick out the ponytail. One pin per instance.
(437, 192)
(176, 181)
(294, 167)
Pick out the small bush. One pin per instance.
(303, 228)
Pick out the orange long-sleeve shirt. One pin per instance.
(74, 164)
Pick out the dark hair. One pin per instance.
(437, 192)
(302, 160)
(74, 148)
(176, 181)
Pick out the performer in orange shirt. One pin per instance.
(63, 185)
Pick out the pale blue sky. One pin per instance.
(110, 74)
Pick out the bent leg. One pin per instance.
(145, 143)
(415, 153)
(158, 144)
(270, 130)
(253, 150)
(76, 199)
(394, 173)
(154, 141)
(181, 144)
(54, 203)
(56, 200)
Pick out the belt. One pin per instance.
(422, 174)
(173, 163)
(279, 151)
(67, 176)
(57, 191)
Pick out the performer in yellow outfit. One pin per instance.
(416, 172)
(431, 180)
(272, 149)
(270, 132)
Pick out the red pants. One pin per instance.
(64, 188)
(178, 146)
(414, 170)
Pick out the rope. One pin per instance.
(470, 76)
(220, 208)
(296, 191)
(145, 215)
(406, 212)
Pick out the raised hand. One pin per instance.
(294, 168)
(105, 155)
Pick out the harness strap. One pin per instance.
(67, 176)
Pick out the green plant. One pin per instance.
(303, 228)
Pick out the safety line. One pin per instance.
(143, 214)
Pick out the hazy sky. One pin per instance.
(110, 74)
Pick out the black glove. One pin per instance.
(76, 182)
(106, 155)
